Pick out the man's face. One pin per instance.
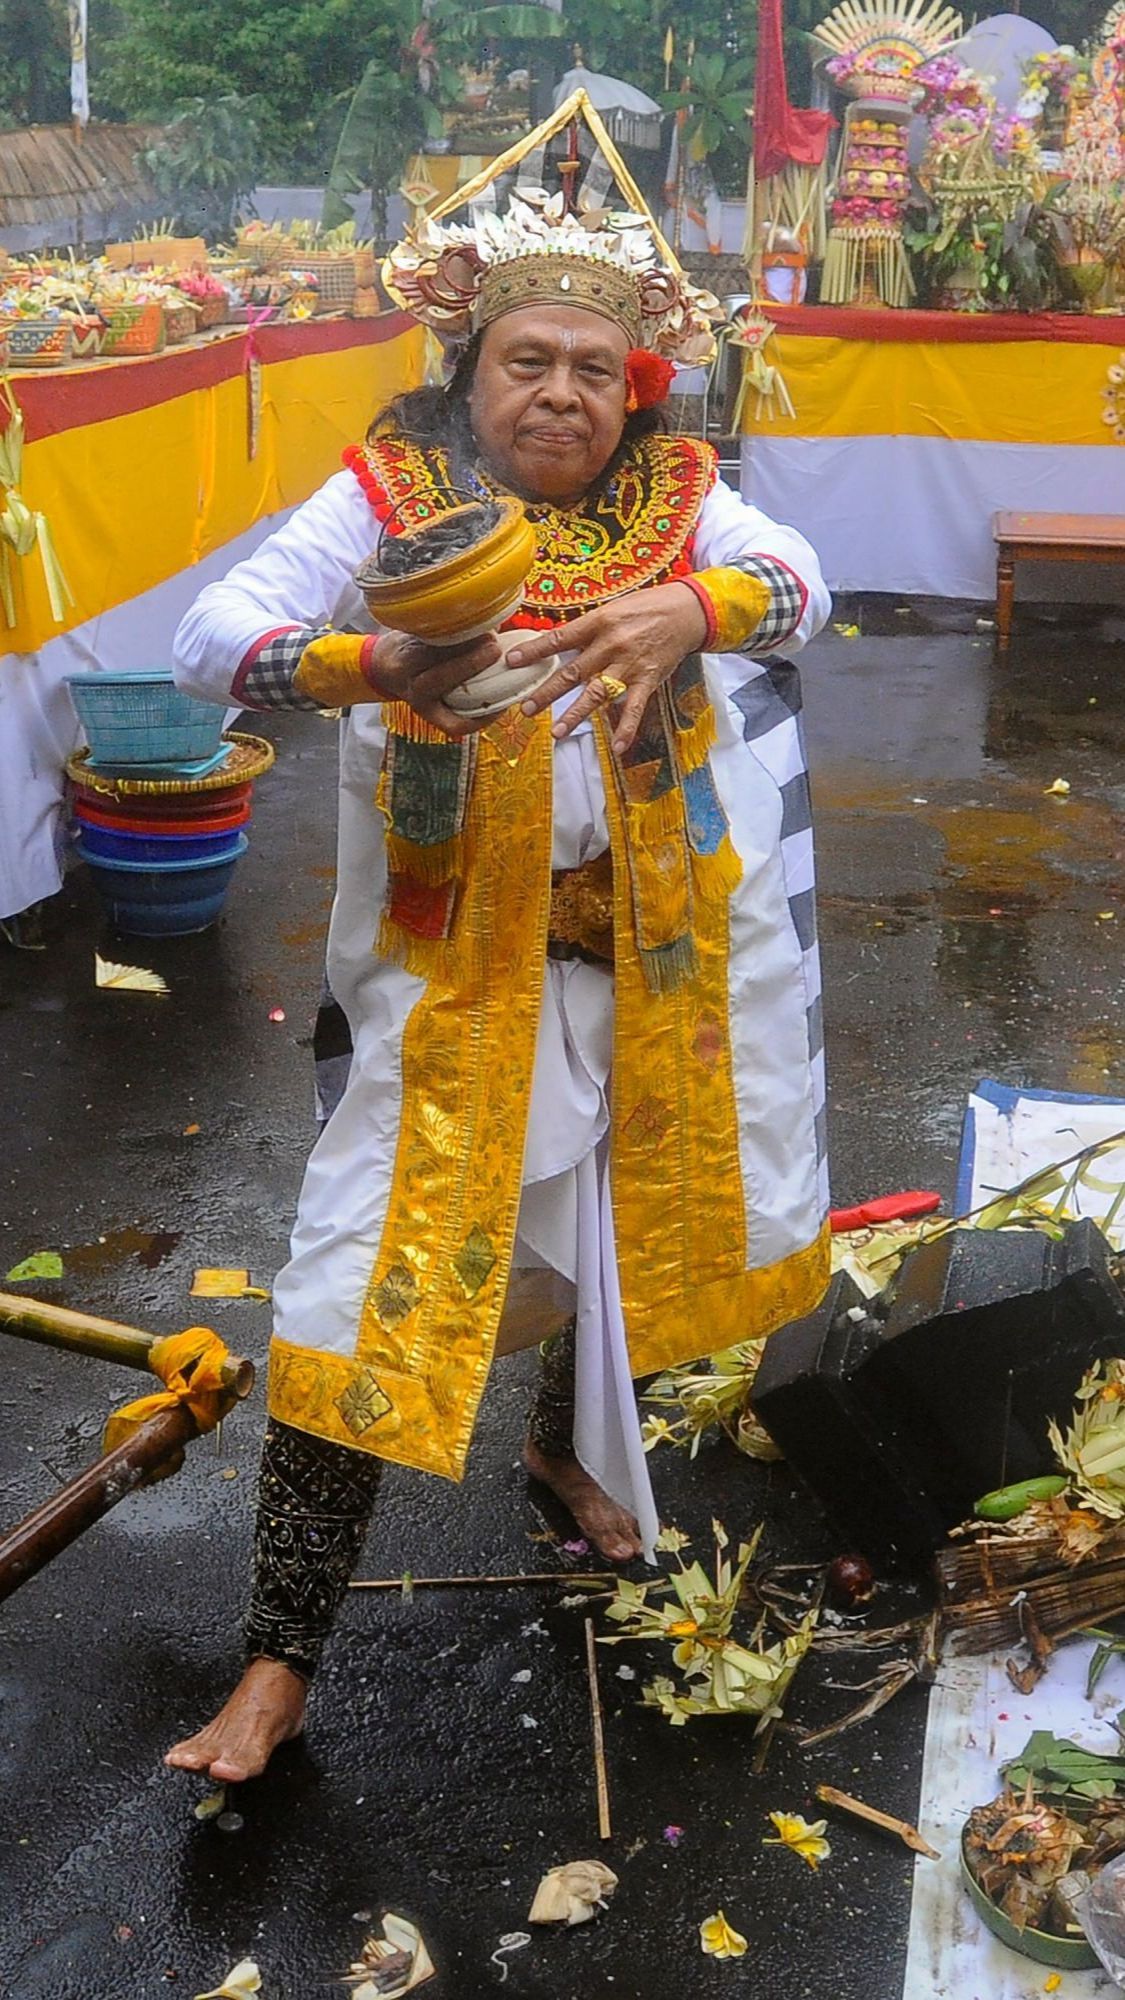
(548, 399)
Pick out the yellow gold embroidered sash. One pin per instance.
(433, 1306)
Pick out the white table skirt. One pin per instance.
(913, 515)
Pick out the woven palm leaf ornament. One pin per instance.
(875, 49)
(1095, 148)
(23, 529)
(580, 246)
(885, 43)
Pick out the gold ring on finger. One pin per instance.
(612, 688)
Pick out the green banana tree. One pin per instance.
(205, 161)
(715, 96)
(396, 106)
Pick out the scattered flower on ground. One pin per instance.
(805, 1838)
(719, 1939)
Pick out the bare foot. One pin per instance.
(611, 1528)
(266, 1709)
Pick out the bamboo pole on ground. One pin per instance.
(601, 1774)
(909, 1835)
(565, 1579)
(155, 1446)
(103, 1339)
(34, 1542)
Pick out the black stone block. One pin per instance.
(989, 1336)
(842, 1440)
(899, 1424)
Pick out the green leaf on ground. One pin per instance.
(1056, 1765)
(44, 1264)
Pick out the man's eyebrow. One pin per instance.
(531, 343)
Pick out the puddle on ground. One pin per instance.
(998, 849)
(863, 916)
(1019, 853)
(305, 936)
(147, 1247)
(1097, 1064)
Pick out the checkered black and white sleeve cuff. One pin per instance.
(265, 677)
(788, 598)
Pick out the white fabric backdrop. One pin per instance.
(38, 726)
(913, 515)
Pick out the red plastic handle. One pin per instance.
(887, 1208)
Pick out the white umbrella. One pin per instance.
(631, 118)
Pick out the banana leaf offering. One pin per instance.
(1035, 1851)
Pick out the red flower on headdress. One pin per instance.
(648, 378)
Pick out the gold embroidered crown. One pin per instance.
(555, 278)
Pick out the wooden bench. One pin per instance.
(1084, 538)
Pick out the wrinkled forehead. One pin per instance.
(556, 330)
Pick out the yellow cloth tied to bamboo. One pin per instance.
(190, 1365)
(22, 530)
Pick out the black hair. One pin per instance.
(440, 416)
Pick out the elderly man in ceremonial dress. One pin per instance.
(575, 945)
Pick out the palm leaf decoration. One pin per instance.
(720, 1675)
(1093, 1451)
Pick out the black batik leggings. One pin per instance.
(315, 1502)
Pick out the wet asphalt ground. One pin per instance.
(971, 927)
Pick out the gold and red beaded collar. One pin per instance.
(638, 530)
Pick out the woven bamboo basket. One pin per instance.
(180, 323)
(134, 329)
(40, 343)
(212, 310)
(265, 249)
(249, 758)
(335, 279)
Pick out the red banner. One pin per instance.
(781, 134)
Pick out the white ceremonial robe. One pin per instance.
(303, 576)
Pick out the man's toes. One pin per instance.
(229, 1771)
(187, 1757)
(626, 1543)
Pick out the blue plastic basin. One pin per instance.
(144, 901)
(162, 850)
(143, 718)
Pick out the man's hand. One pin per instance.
(639, 639)
(406, 669)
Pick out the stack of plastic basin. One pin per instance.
(159, 830)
